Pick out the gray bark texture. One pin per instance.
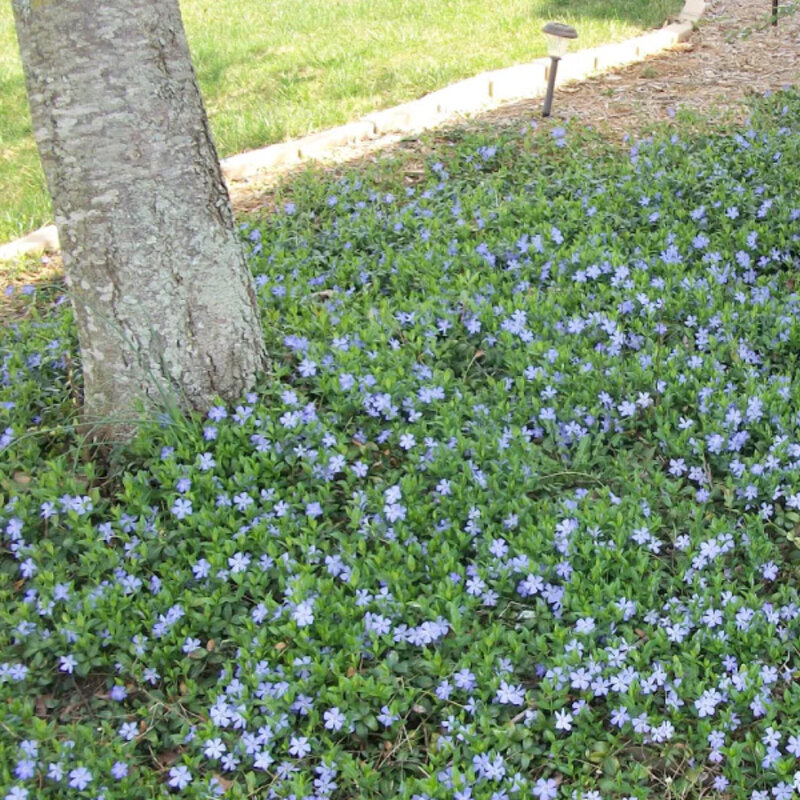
(164, 302)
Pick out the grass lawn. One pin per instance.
(272, 70)
(515, 516)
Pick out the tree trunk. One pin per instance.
(164, 302)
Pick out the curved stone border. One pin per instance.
(484, 91)
(43, 240)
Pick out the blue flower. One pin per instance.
(179, 777)
(119, 770)
(182, 508)
(67, 663)
(79, 778)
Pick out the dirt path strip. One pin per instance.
(248, 173)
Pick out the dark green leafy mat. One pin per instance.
(514, 516)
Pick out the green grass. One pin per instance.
(272, 70)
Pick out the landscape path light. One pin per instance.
(558, 38)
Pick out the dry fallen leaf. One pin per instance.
(22, 479)
(223, 782)
(40, 704)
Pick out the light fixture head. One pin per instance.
(558, 38)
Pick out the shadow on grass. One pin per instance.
(647, 13)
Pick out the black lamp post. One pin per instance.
(558, 37)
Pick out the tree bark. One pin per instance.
(164, 302)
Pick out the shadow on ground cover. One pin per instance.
(511, 515)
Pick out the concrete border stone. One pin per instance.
(318, 144)
(484, 91)
(243, 165)
(40, 241)
(692, 11)
(463, 97)
(519, 81)
(409, 117)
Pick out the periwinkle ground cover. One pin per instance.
(512, 519)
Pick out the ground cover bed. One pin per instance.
(272, 70)
(514, 517)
